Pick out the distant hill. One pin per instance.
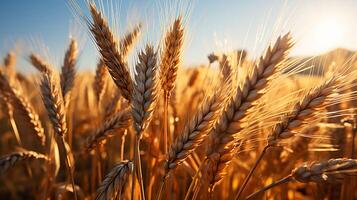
(323, 62)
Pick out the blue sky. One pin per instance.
(221, 25)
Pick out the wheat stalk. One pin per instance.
(100, 80)
(143, 101)
(115, 181)
(221, 143)
(119, 120)
(53, 101)
(108, 48)
(10, 160)
(69, 71)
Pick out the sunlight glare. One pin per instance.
(327, 34)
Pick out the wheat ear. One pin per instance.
(225, 68)
(128, 41)
(52, 99)
(221, 144)
(10, 64)
(10, 60)
(10, 160)
(170, 60)
(293, 122)
(119, 120)
(100, 80)
(23, 106)
(315, 100)
(68, 73)
(145, 90)
(195, 131)
(193, 78)
(332, 171)
(114, 182)
(40, 64)
(212, 57)
(108, 48)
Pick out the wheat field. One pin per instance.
(275, 127)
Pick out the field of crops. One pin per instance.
(276, 127)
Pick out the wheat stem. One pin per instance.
(139, 171)
(15, 129)
(281, 181)
(245, 182)
(166, 121)
(99, 164)
(133, 179)
(69, 166)
(161, 188)
(123, 144)
(195, 178)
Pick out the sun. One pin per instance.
(327, 34)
